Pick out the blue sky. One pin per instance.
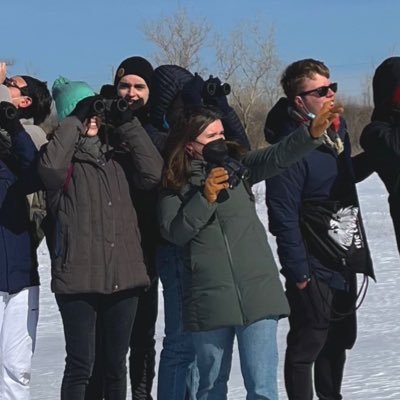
(85, 39)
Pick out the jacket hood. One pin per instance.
(386, 88)
(167, 82)
(277, 121)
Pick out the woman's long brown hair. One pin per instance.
(187, 128)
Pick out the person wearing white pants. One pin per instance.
(19, 279)
(19, 314)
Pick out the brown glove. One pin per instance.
(216, 181)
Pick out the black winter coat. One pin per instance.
(381, 143)
(322, 175)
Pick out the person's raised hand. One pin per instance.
(86, 108)
(216, 181)
(192, 91)
(324, 119)
(3, 72)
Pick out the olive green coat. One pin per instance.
(230, 275)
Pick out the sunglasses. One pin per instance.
(321, 91)
(11, 83)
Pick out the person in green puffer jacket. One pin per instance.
(231, 282)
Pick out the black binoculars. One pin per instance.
(109, 106)
(213, 89)
(10, 112)
(236, 170)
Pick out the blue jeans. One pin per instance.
(258, 354)
(177, 373)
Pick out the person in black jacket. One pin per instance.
(314, 214)
(90, 171)
(132, 82)
(380, 139)
(19, 279)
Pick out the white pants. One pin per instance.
(19, 314)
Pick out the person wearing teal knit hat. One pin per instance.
(97, 261)
(67, 94)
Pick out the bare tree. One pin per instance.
(366, 93)
(248, 60)
(179, 39)
(357, 116)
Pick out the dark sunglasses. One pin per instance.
(321, 91)
(11, 83)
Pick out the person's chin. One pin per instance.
(92, 132)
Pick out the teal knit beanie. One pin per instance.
(67, 94)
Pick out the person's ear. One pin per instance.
(298, 102)
(25, 102)
(189, 149)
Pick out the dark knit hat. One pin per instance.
(134, 66)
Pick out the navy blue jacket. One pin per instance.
(18, 264)
(322, 175)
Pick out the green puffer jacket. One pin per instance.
(230, 275)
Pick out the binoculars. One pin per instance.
(10, 112)
(236, 170)
(109, 107)
(213, 89)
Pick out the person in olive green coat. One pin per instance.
(231, 282)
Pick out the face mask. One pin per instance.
(215, 152)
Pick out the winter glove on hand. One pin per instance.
(121, 117)
(216, 181)
(217, 100)
(192, 91)
(88, 107)
(9, 118)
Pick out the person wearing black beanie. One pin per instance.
(132, 81)
(134, 66)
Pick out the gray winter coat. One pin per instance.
(96, 241)
(230, 275)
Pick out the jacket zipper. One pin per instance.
(228, 249)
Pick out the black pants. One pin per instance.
(142, 351)
(79, 314)
(142, 357)
(316, 339)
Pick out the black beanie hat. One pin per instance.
(134, 66)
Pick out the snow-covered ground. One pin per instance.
(373, 366)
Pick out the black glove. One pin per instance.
(9, 118)
(88, 107)
(217, 99)
(192, 91)
(121, 117)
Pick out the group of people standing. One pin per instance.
(151, 180)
